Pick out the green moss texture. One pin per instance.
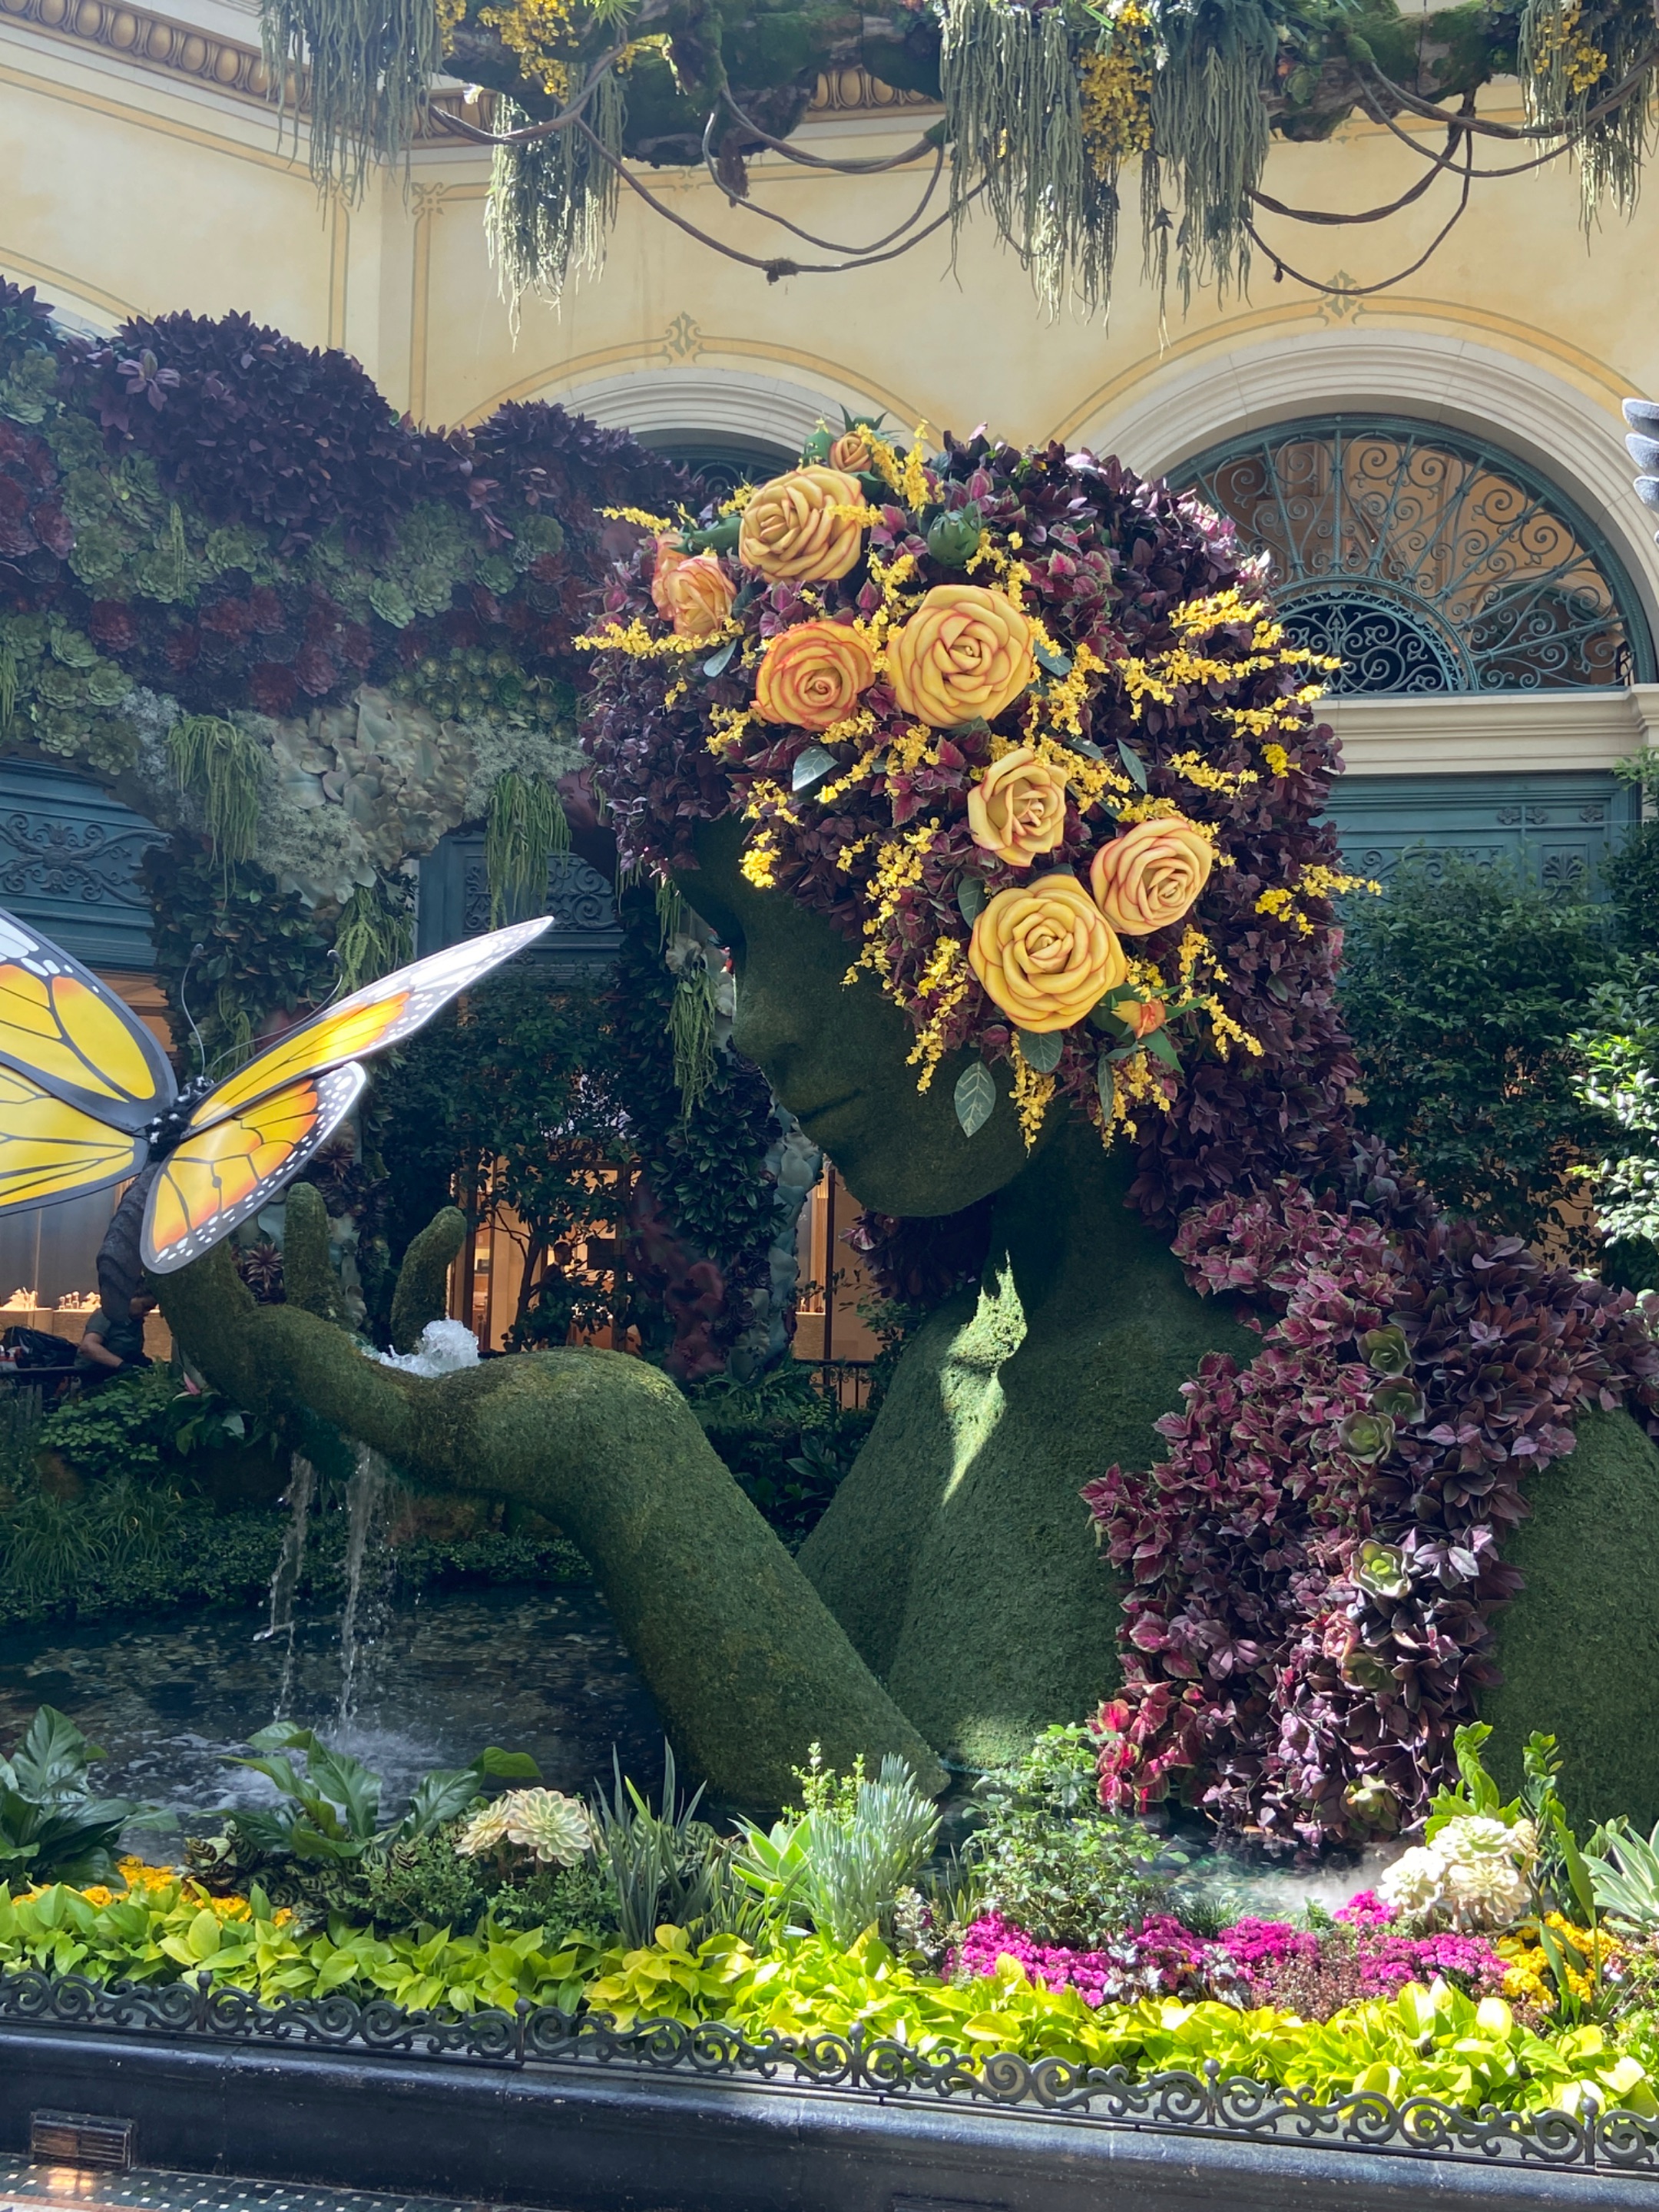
(957, 1553)
(747, 1664)
(1579, 1645)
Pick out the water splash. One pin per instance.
(366, 1496)
(302, 1490)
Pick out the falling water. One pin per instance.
(302, 1489)
(365, 1495)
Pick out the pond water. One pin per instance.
(531, 1669)
(436, 1678)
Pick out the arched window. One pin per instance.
(1428, 560)
(722, 463)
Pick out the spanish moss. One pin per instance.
(691, 1016)
(1210, 129)
(223, 766)
(1569, 56)
(526, 828)
(362, 68)
(376, 932)
(1013, 107)
(552, 201)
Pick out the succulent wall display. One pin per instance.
(301, 635)
(1045, 104)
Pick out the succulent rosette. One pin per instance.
(1028, 732)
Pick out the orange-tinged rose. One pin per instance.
(1019, 810)
(692, 591)
(853, 452)
(1143, 1014)
(792, 532)
(1150, 875)
(1045, 954)
(966, 652)
(812, 675)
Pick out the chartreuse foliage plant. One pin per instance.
(1433, 2041)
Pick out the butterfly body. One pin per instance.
(88, 1098)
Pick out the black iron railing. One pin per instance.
(1208, 2102)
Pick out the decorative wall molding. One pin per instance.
(1491, 732)
(681, 397)
(1430, 374)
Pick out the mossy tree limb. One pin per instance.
(746, 1663)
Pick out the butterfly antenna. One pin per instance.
(183, 1004)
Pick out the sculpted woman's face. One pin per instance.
(836, 1053)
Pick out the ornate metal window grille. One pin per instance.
(1429, 561)
(723, 464)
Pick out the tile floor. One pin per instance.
(28, 2187)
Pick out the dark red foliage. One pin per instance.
(245, 426)
(1305, 1627)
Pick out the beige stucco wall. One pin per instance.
(145, 184)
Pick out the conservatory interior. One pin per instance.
(828, 1174)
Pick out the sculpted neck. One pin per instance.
(1079, 1255)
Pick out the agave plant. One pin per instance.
(52, 1826)
(1625, 1873)
(842, 1862)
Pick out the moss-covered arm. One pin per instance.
(746, 1663)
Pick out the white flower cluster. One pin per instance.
(553, 1828)
(1472, 1877)
(444, 1347)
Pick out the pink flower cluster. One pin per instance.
(1254, 1962)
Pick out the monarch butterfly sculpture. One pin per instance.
(86, 1097)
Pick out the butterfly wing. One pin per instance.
(380, 1014)
(69, 1033)
(51, 1151)
(216, 1177)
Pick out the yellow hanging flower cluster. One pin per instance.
(1565, 50)
(536, 31)
(1116, 83)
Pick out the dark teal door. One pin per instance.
(1558, 827)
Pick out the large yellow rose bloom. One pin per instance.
(1150, 875)
(1019, 810)
(1046, 954)
(812, 675)
(965, 652)
(792, 532)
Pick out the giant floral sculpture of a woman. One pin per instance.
(1000, 780)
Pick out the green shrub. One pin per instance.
(52, 1826)
(1049, 1857)
(1631, 876)
(1463, 987)
(1619, 1048)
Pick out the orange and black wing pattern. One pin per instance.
(218, 1177)
(67, 1032)
(50, 1150)
(379, 1016)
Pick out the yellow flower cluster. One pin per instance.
(1564, 49)
(1116, 82)
(1585, 1954)
(534, 30)
(943, 987)
(1194, 768)
(1032, 1095)
(1315, 881)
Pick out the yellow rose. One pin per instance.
(792, 533)
(1019, 810)
(1150, 875)
(812, 675)
(692, 591)
(1044, 953)
(966, 652)
(852, 451)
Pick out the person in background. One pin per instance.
(113, 1344)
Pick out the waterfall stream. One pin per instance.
(366, 1496)
(302, 1491)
